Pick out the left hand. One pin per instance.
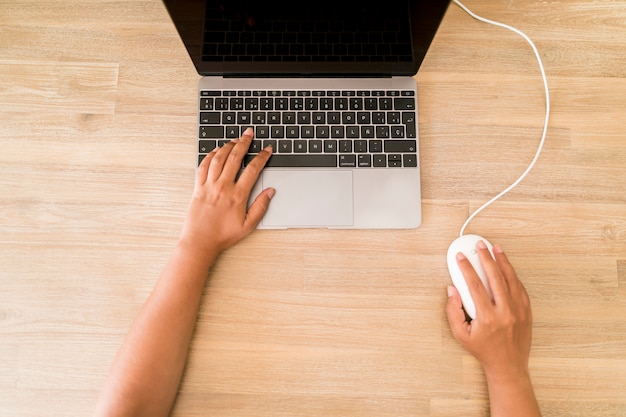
(219, 215)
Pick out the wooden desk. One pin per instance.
(97, 151)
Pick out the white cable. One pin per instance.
(545, 125)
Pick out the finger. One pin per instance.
(516, 287)
(232, 165)
(456, 316)
(251, 173)
(219, 159)
(258, 208)
(474, 284)
(497, 284)
(203, 169)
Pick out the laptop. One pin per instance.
(327, 84)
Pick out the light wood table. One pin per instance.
(97, 154)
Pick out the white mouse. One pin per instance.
(466, 244)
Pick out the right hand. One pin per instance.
(500, 336)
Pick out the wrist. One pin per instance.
(198, 254)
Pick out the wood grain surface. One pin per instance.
(97, 154)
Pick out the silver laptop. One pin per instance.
(329, 86)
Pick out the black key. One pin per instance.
(347, 161)
(348, 118)
(255, 146)
(371, 104)
(360, 146)
(296, 160)
(296, 104)
(273, 118)
(393, 118)
(397, 131)
(330, 146)
(278, 132)
(271, 143)
(252, 103)
(258, 117)
(319, 118)
(285, 146)
(341, 103)
(367, 132)
(236, 103)
(333, 117)
(378, 118)
(243, 118)
(292, 132)
(376, 146)
(304, 118)
(212, 93)
(266, 104)
(326, 104)
(365, 161)
(352, 132)
(337, 132)
(394, 160)
(382, 132)
(211, 132)
(206, 103)
(228, 118)
(404, 103)
(322, 132)
(281, 104)
(408, 119)
(300, 146)
(262, 132)
(385, 104)
(410, 160)
(400, 146)
(308, 132)
(289, 118)
(364, 118)
(221, 103)
(210, 118)
(206, 146)
(311, 104)
(345, 146)
(356, 103)
(232, 132)
(315, 146)
(380, 160)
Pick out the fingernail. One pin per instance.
(268, 148)
(271, 193)
(450, 291)
(249, 132)
(481, 245)
(498, 249)
(460, 257)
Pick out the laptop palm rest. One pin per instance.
(314, 198)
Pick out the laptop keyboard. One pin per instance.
(316, 128)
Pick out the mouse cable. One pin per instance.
(545, 125)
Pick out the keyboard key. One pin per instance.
(394, 160)
(345, 146)
(285, 146)
(402, 103)
(376, 146)
(211, 132)
(278, 132)
(347, 161)
(365, 161)
(352, 132)
(262, 132)
(300, 146)
(206, 104)
(315, 146)
(360, 146)
(382, 132)
(308, 132)
(410, 160)
(292, 132)
(408, 119)
(206, 146)
(379, 160)
(330, 146)
(298, 160)
(400, 146)
(322, 132)
(210, 118)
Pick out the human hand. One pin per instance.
(218, 215)
(500, 336)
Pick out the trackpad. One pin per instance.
(309, 198)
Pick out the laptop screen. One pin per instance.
(321, 38)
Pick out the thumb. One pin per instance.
(257, 209)
(456, 315)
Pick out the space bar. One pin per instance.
(291, 160)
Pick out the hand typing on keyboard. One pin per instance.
(220, 193)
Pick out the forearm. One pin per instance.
(512, 396)
(145, 375)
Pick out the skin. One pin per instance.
(144, 377)
(146, 373)
(500, 336)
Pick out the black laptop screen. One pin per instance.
(321, 38)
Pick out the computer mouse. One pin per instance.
(466, 244)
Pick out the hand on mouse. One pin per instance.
(218, 215)
(500, 336)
